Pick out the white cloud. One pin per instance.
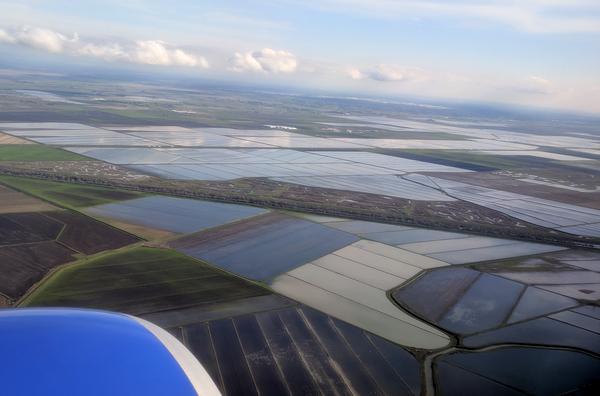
(155, 52)
(150, 52)
(386, 73)
(44, 39)
(266, 60)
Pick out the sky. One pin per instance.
(543, 53)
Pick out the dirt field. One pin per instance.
(33, 243)
(147, 233)
(22, 266)
(8, 139)
(12, 201)
(88, 236)
(20, 228)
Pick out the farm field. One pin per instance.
(570, 187)
(496, 371)
(8, 139)
(15, 202)
(222, 318)
(140, 280)
(499, 300)
(88, 236)
(174, 214)
(35, 152)
(266, 353)
(449, 247)
(263, 252)
(32, 243)
(263, 247)
(559, 216)
(66, 194)
(221, 154)
(225, 164)
(351, 284)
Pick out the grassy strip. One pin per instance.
(68, 195)
(36, 152)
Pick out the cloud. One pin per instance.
(266, 60)
(154, 52)
(386, 73)
(38, 38)
(149, 52)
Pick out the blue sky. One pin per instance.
(535, 52)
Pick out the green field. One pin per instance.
(66, 194)
(36, 152)
(140, 280)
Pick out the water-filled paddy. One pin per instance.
(174, 214)
(264, 247)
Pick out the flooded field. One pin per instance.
(275, 302)
(264, 247)
(449, 247)
(174, 214)
(560, 216)
(516, 371)
(351, 284)
(266, 353)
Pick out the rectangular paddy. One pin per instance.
(351, 284)
(41, 125)
(307, 142)
(264, 247)
(174, 214)
(196, 138)
(474, 144)
(388, 161)
(560, 216)
(347, 171)
(450, 247)
(298, 351)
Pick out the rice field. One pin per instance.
(449, 247)
(263, 247)
(546, 213)
(298, 350)
(351, 284)
(509, 301)
(174, 214)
